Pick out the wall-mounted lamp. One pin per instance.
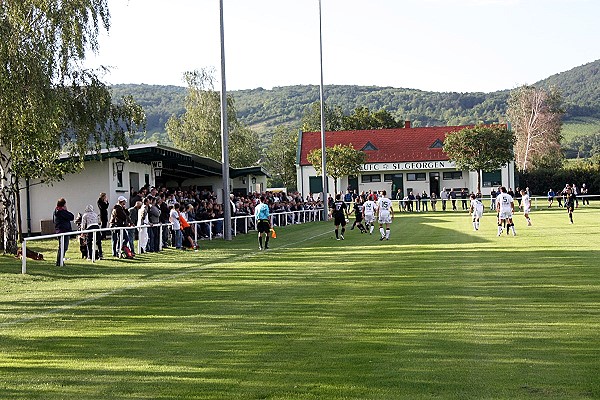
(120, 165)
(253, 180)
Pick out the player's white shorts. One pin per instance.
(385, 218)
(527, 210)
(478, 213)
(505, 214)
(369, 218)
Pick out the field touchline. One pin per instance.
(140, 285)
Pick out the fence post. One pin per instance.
(24, 257)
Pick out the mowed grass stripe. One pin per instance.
(439, 311)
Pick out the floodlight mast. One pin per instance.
(224, 137)
(322, 97)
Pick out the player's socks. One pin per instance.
(371, 229)
(337, 234)
(387, 234)
(474, 224)
(382, 231)
(499, 230)
(267, 242)
(260, 242)
(343, 231)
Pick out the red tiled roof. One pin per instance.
(393, 145)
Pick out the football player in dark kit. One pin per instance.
(358, 214)
(570, 199)
(340, 214)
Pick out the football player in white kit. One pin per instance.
(476, 210)
(505, 206)
(386, 214)
(369, 208)
(526, 205)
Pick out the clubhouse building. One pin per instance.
(149, 164)
(398, 161)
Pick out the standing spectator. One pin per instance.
(418, 203)
(411, 201)
(103, 208)
(551, 196)
(463, 197)
(142, 219)
(154, 231)
(62, 223)
(164, 219)
(134, 216)
(453, 199)
(584, 191)
(90, 220)
(493, 195)
(174, 219)
(119, 218)
(424, 199)
(433, 201)
(444, 197)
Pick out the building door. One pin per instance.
(134, 181)
(353, 183)
(397, 183)
(434, 183)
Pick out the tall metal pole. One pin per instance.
(322, 96)
(224, 138)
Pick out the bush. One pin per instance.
(577, 172)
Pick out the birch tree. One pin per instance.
(198, 130)
(48, 102)
(535, 115)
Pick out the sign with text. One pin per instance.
(406, 166)
(157, 164)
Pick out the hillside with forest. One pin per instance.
(263, 109)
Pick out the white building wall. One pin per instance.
(78, 189)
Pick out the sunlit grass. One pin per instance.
(439, 311)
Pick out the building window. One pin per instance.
(421, 176)
(493, 178)
(370, 178)
(391, 177)
(454, 175)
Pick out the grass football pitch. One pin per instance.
(437, 312)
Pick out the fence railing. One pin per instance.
(204, 228)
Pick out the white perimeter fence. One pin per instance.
(239, 224)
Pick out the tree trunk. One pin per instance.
(478, 181)
(7, 204)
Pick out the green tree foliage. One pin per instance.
(482, 148)
(536, 118)
(311, 120)
(281, 157)
(48, 103)
(340, 160)
(263, 109)
(335, 120)
(198, 130)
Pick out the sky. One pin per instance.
(433, 45)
